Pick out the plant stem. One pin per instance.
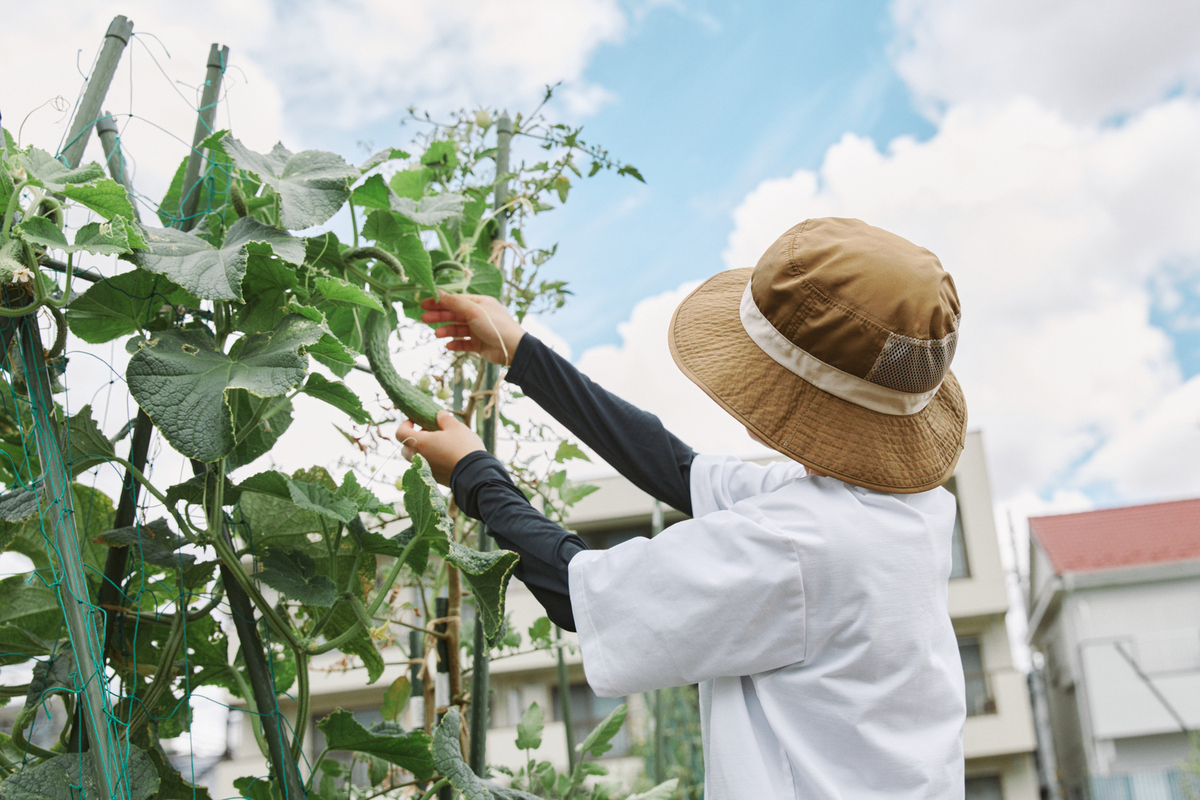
(434, 789)
(14, 203)
(354, 224)
(379, 254)
(303, 693)
(564, 698)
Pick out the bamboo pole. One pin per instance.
(119, 31)
(71, 586)
(189, 201)
(106, 128)
(480, 677)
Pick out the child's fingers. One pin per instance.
(456, 331)
(464, 345)
(440, 315)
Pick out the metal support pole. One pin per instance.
(119, 31)
(480, 676)
(71, 585)
(218, 57)
(106, 127)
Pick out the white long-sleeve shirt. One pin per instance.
(813, 614)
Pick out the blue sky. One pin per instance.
(707, 100)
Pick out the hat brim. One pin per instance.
(901, 454)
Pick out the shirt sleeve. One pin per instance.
(483, 490)
(720, 482)
(634, 442)
(716, 596)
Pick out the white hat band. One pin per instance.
(843, 385)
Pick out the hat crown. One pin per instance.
(862, 300)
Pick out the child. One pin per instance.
(808, 597)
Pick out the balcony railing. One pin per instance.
(1158, 784)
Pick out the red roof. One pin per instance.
(1120, 537)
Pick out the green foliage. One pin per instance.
(220, 320)
(384, 740)
(181, 379)
(529, 729)
(55, 778)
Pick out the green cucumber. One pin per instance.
(411, 401)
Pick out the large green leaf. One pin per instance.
(429, 210)
(154, 542)
(33, 538)
(487, 574)
(30, 619)
(529, 729)
(448, 758)
(339, 291)
(361, 644)
(386, 740)
(268, 287)
(249, 230)
(294, 574)
(86, 445)
(395, 698)
(208, 272)
(50, 173)
(18, 505)
(426, 507)
(270, 521)
(72, 776)
(264, 434)
(123, 304)
(55, 675)
(338, 395)
(597, 742)
(106, 197)
(171, 783)
(181, 381)
(312, 185)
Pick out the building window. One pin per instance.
(959, 567)
(984, 787)
(979, 696)
(611, 537)
(587, 710)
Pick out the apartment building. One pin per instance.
(1115, 615)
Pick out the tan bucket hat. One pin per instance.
(835, 350)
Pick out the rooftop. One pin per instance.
(1120, 537)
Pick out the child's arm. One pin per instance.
(483, 490)
(633, 441)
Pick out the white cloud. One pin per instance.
(642, 371)
(1087, 58)
(1159, 456)
(331, 64)
(1052, 232)
(358, 61)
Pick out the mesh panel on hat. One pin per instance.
(913, 365)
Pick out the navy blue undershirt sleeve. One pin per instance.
(633, 441)
(483, 490)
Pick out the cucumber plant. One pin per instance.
(225, 311)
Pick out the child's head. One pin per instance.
(835, 350)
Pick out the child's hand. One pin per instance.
(443, 449)
(478, 324)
